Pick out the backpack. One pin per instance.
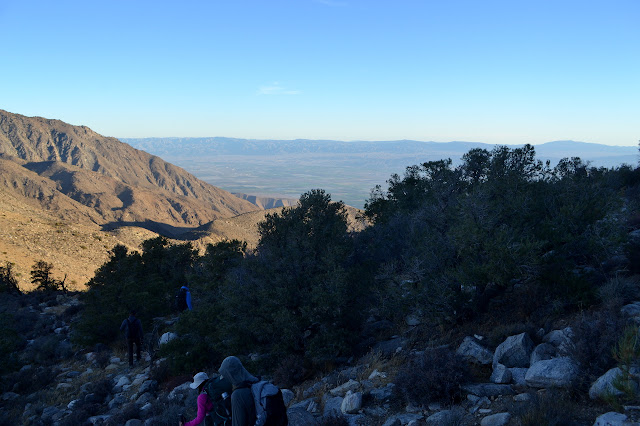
(270, 409)
(181, 299)
(133, 328)
(219, 391)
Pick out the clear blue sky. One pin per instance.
(495, 71)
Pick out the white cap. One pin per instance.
(198, 379)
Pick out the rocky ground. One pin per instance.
(61, 384)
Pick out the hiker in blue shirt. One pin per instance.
(184, 299)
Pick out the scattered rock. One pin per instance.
(301, 417)
(522, 397)
(604, 385)
(352, 403)
(167, 337)
(515, 351)
(474, 352)
(542, 352)
(382, 394)
(612, 419)
(287, 396)
(500, 419)
(561, 339)
(518, 376)
(445, 417)
(552, 373)
(501, 374)
(389, 347)
(332, 406)
(342, 390)
(488, 389)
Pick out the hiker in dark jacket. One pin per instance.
(243, 409)
(133, 332)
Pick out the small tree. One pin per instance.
(8, 281)
(42, 277)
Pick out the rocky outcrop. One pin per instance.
(100, 384)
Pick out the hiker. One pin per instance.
(243, 410)
(133, 332)
(204, 403)
(184, 298)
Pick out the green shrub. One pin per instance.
(595, 336)
(124, 413)
(290, 372)
(619, 290)
(551, 408)
(8, 280)
(10, 344)
(434, 376)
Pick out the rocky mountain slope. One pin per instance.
(518, 381)
(117, 181)
(68, 195)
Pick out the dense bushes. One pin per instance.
(500, 218)
(434, 376)
(445, 243)
(297, 293)
(145, 282)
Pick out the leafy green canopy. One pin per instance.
(143, 282)
(500, 218)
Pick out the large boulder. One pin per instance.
(518, 376)
(352, 403)
(332, 406)
(501, 374)
(604, 385)
(515, 351)
(167, 337)
(612, 419)
(474, 352)
(444, 417)
(561, 339)
(500, 419)
(382, 394)
(552, 373)
(543, 351)
(488, 389)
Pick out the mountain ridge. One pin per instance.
(68, 195)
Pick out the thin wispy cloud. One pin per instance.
(276, 88)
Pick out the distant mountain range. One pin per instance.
(598, 154)
(347, 170)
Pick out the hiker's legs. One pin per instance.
(130, 345)
(138, 344)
